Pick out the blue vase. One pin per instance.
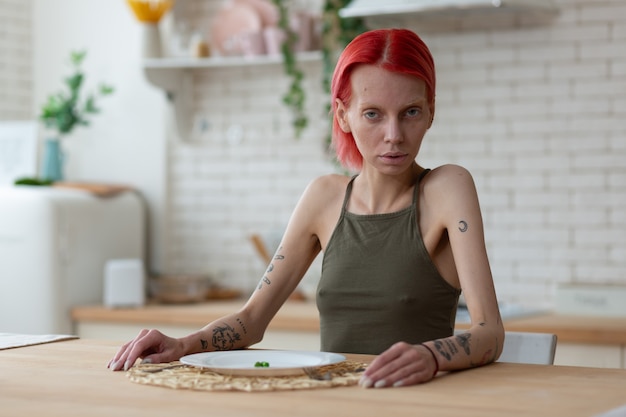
(52, 163)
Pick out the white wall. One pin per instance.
(126, 142)
(15, 60)
(536, 113)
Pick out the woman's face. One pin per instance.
(388, 115)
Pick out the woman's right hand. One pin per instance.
(151, 346)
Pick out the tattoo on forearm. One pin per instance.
(451, 347)
(243, 326)
(266, 280)
(442, 350)
(204, 344)
(224, 337)
(448, 348)
(270, 268)
(463, 340)
(463, 226)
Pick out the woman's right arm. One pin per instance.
(227, 333)
(296, 252)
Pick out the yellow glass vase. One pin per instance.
(150, 11)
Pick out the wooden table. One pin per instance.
(70, 379)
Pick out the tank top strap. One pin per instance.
(346, 198)
(419, 179)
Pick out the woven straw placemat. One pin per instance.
(178, 376)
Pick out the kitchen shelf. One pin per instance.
(432, 15)
(225, 61)
(174, 76)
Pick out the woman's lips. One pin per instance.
(393, 157)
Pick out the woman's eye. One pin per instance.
(413, 112)
(370, 114)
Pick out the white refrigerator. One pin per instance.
(54, 245)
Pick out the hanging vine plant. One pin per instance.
(336, 33)
(295, 96)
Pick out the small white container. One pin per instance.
(124, 283)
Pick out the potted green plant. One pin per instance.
(64, 111)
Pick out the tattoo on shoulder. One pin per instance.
(463, 226)
(224, 337)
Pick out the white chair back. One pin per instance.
(527, 347)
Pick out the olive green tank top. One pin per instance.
(378, 284)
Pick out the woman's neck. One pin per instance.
(375, 193)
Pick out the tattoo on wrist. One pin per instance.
(451, 347)
(442, 350)
(224, 337)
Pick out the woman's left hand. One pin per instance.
(400, 365)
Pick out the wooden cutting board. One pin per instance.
(100, 190)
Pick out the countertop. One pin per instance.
(303, 316)
(70, 378)
(294, 315)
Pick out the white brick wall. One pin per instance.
(535, 113)
(15, 60)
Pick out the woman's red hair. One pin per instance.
(395, 50)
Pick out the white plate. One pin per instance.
(281, 362)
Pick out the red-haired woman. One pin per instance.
(399, 241)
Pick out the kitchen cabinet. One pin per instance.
(54, 245)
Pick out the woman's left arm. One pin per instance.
(405, 364)
(482, 342)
